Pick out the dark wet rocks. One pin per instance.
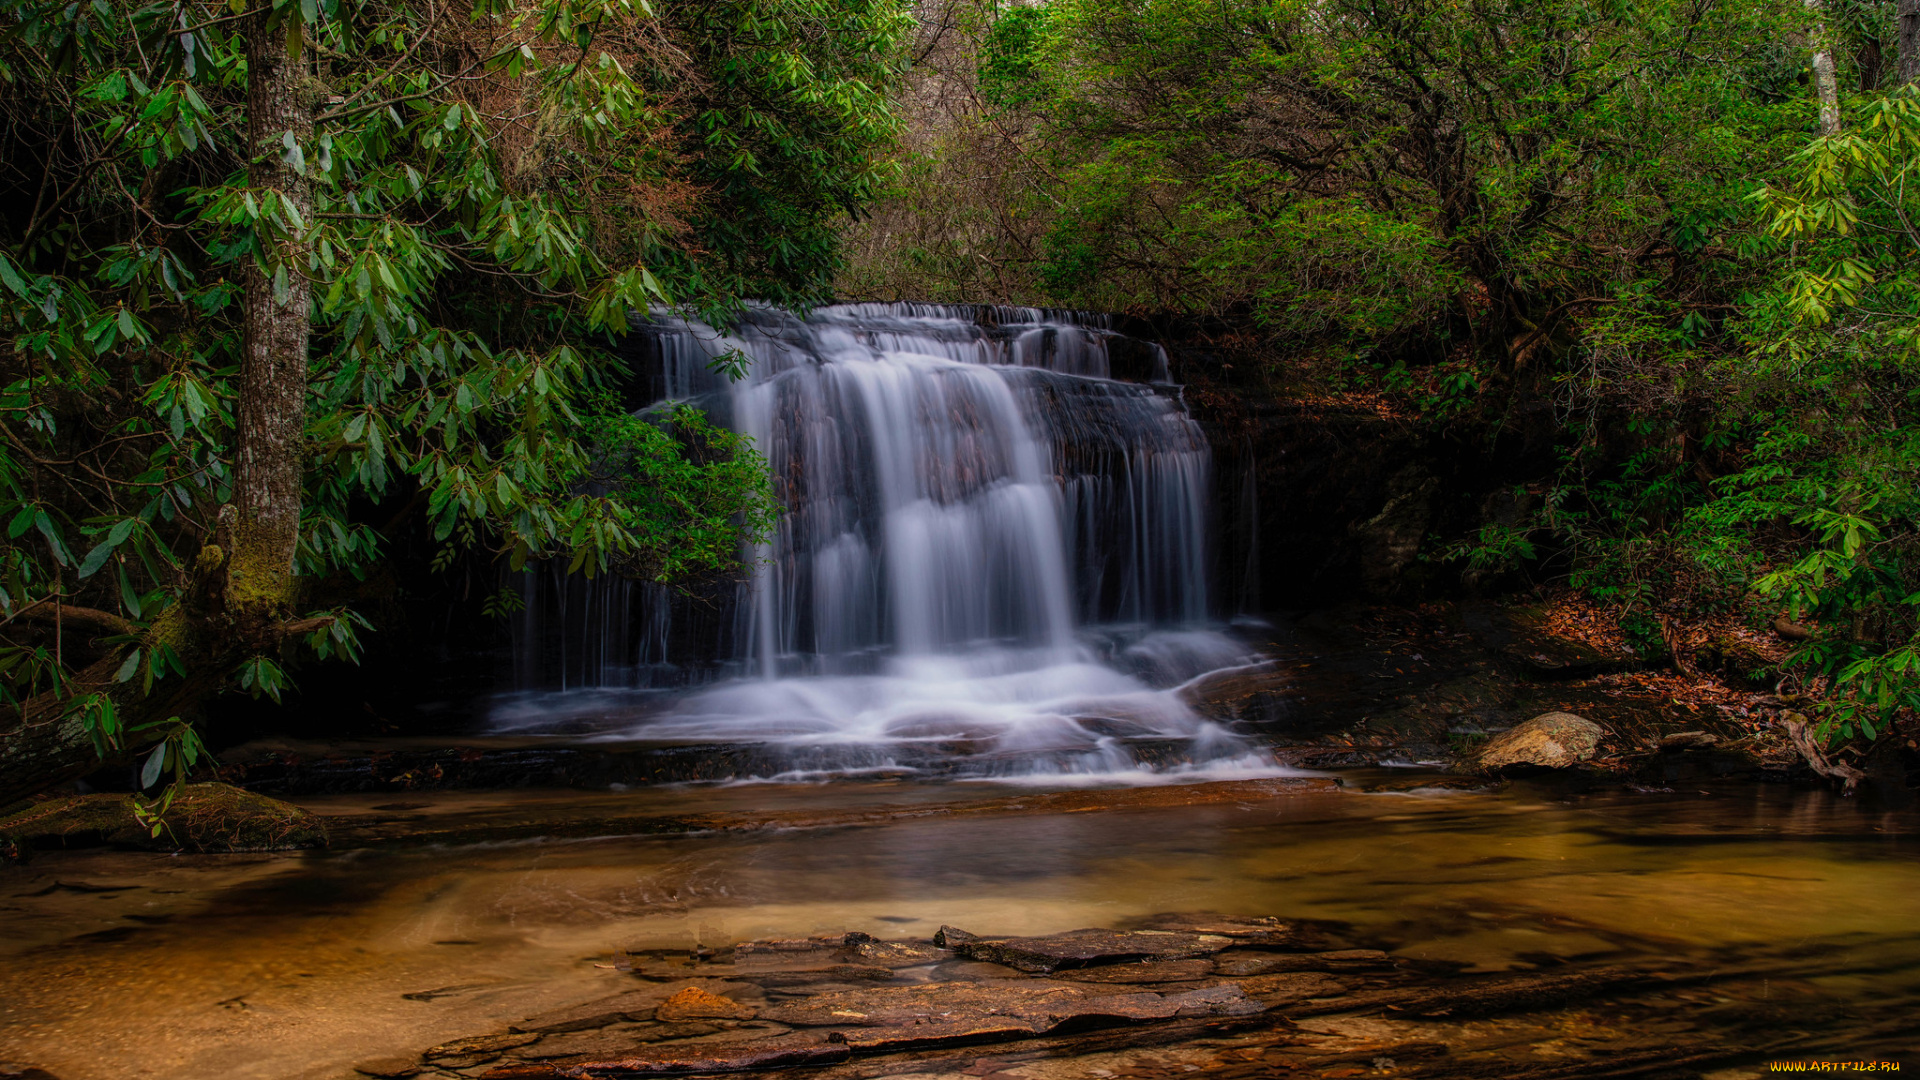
(517, 821)
(1015, 1006)
(1145, 971)
(1266, 997)
(910, 997)
(1255, 963)
(1081, 948)
(1289, 987)
(1255, 693)
(631, 1006)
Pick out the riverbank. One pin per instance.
(1359, 685)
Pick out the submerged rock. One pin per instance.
(1258, 963)
(387, 1068)
(1555, 740)
(694, 1003)
(483, 1044)
(634, 1005)
(1082, 948)
(205, 817)
(941, 1012)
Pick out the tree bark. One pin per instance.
(1825, 86)
(264, 526)
(1908, 26)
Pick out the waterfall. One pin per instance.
(990, 551)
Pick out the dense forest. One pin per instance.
(1679, 234)
(295, 292)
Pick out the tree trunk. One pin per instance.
(1825, 85)
(1908, 26)
(264, 525)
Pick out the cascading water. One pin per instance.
(991, 559)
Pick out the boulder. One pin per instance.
(1555, 740)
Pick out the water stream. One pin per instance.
(991, 558)
(296, 965)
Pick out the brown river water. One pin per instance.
(126, 965)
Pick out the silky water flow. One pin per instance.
(990, 561)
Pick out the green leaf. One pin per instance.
(95, 559)
(54, 541)
(156, 761)
(12, 278)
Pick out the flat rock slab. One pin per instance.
(704, 1058)
(1083, 948)
(1269, 933)
(633, 1005)
(613, 1040)
(1292, 986)
(1254, 963)
(482, 1044)
(1146, 971)
(1003, 1008)
(1244, 1008)
(895, 954)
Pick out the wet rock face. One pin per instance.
(1554, 740)
(1390, 539)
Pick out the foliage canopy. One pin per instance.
(460, 205)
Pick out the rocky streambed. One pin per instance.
(1175, 994)
(1369, 922)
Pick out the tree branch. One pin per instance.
(307, 626)
(51, 610)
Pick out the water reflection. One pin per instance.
(275, 966)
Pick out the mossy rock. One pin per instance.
(205, 817)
